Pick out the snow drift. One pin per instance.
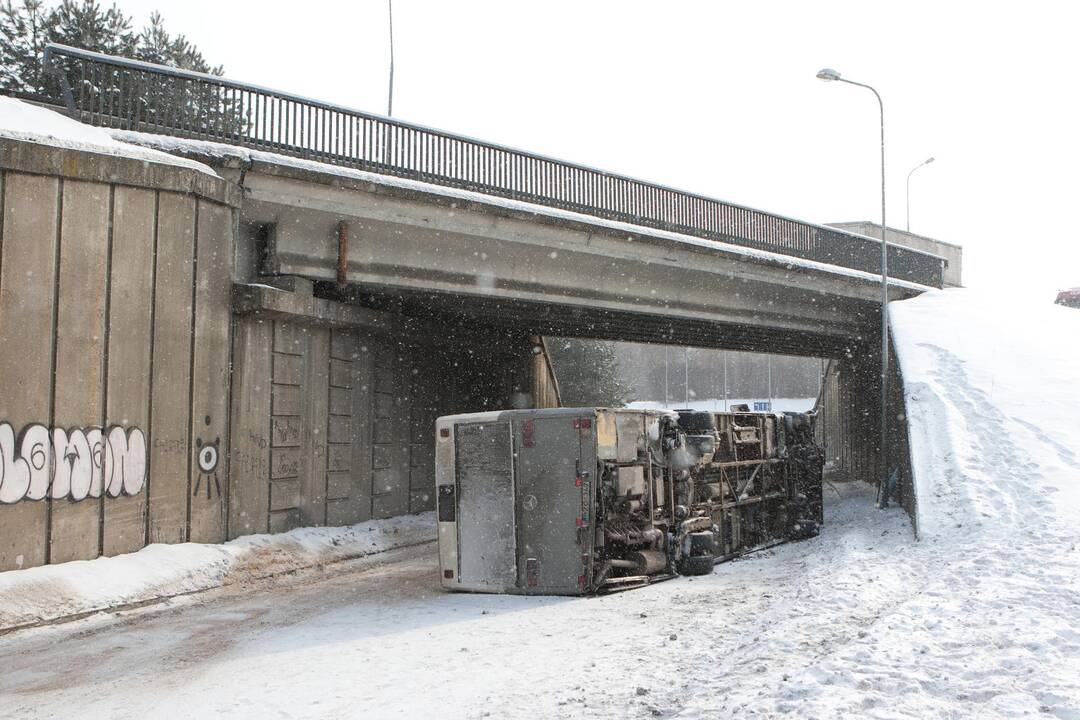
(41, 594)
(992, 387)
(985, 625)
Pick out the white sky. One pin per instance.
(721, 98)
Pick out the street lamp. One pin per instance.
(907, 193)
(390, 93)
(830, 75)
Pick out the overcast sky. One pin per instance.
(720, 98)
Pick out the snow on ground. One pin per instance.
(978, 619)
(718, 404)
(33, 123)
(158, 571)
(993, 389)
(993, 629)
(387, 642)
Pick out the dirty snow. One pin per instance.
(157, 571)
(221, 151)
(33, 123)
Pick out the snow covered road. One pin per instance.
(381, 640)
(978, 619)
(860, 622)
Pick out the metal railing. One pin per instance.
(122, 93)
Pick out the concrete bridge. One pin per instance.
(461, 258)
(267, 345)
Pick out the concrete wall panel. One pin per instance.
(129, 344)
(289, 345)
(358, 347)
(170, 416)
(80, 353)
(250, 428)
(390, 456)
(97, 280)
(210, 374)
(316, 416)
(288, 369)
(27, 286)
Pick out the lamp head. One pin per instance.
(828, 75)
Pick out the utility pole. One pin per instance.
(830, 75)
(390, 99)
(907, 194)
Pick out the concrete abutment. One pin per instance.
(154, 390)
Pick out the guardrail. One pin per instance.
(118, 92)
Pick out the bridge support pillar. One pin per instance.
(334, 405)
(849, 425)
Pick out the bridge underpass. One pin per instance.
(298, 355)
(460, 265)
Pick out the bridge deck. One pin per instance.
(122, 93)
(465, 257)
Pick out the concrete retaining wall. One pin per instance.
(153, 392)
(333, 421)
(848, 422)
(114, 352)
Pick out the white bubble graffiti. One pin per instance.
(77, 463)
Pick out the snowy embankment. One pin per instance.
(989, 625)
(42, 594)
(978, 619)
(993, 392)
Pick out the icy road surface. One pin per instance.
(978, 619)
(770, 632)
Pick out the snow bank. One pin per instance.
(992, 387)
(987, 623)
(32, 123)
(159, 571)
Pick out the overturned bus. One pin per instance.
(574, 501)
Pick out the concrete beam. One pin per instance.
(276, 303)
(402, 242)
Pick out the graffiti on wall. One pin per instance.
(76, 464)
(207, 455)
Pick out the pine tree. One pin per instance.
(26, 27)
(24, 31)
(87, 25)
(588, 373)
(156, 45)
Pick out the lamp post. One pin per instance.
(907, 192)
(390, 93)
(830, 75)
